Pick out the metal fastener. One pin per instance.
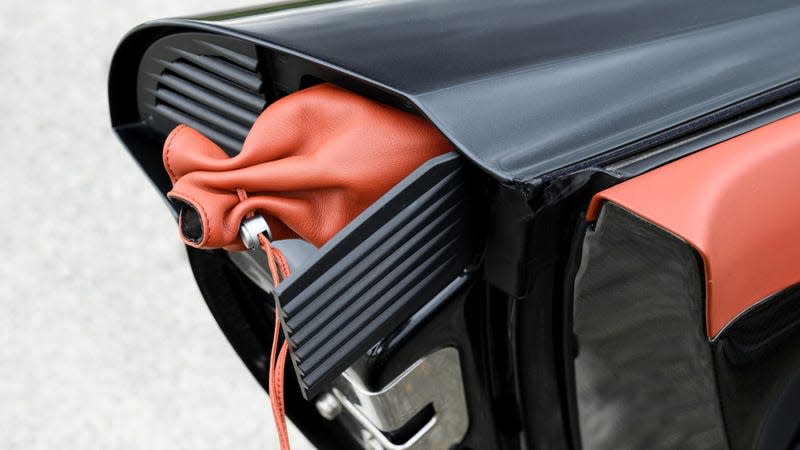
(328, 406)
(250, 230)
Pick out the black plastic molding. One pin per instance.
(380, 269)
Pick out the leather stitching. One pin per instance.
(168, 149)
(282, 263)
(206, 220)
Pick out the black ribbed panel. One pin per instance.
(210, 83)
(386, 264)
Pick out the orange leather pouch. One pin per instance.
(311, 163)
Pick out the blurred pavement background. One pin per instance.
(105, 342)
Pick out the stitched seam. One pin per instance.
(281, 404)
(206, 219)
(282, 263)
(168, 149)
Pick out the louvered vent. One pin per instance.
(210, 83)
(380, 269)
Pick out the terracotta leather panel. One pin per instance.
(313, 161)
(738, 204)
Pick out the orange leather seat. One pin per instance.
(311, 163)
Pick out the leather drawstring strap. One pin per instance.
(277, 361)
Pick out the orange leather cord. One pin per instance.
(277, 361)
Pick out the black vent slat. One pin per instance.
(208, 98)
(334, 319)
(407, 232)
(211, 83)
(365, 253)
(318, 346)
(180, 117)
(374, 274)
(250, 100)
(220, 68)
(197, 110)
(344, 327)
(248, 63)
(421, 279)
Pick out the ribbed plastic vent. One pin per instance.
(384, 266)
(210, 83)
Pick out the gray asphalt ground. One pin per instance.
(105, 342)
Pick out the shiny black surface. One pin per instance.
(452, 319)
(758, 373)
(527, 88)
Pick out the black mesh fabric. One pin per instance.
(644, 374)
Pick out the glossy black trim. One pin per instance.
(670, 150)
(452, 319)
(781, 428)
(546, 345)
(569, 341)
(758, 359)
(500, 326)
